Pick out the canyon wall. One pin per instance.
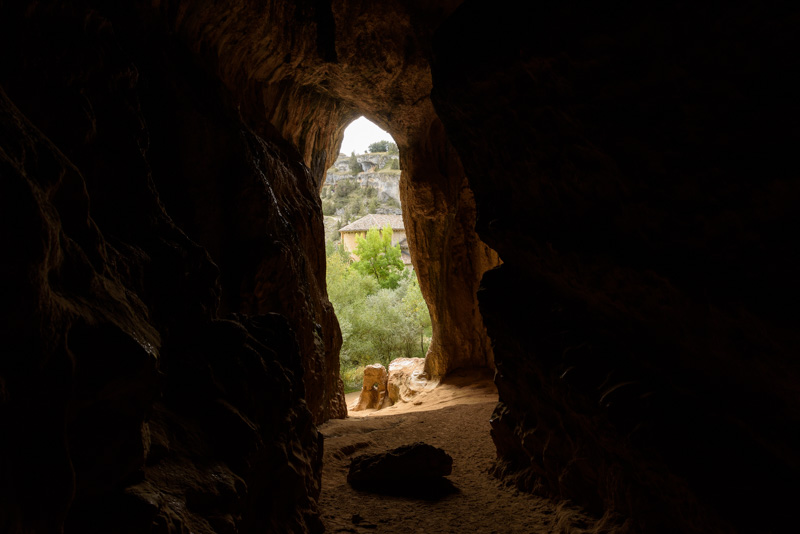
(634, 168)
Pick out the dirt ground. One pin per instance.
(454, 416)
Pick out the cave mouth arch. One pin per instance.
(381, 311)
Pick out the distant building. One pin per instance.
(373, 220)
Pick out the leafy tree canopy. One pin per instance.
(355, 166)
(378, 258)
(378, 324)
(379, 146)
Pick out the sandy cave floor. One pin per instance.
(454, 416)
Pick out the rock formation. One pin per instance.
(168, 341)
(641, 320)
(407, 379)
(373, 390)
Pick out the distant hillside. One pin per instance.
(374, 189)
(351, 197)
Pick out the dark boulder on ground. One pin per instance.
(416, 462)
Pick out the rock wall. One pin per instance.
(164, 300)
(131, 400)
(448, 259)
(634, 169)
(388, 185)
(163, 251)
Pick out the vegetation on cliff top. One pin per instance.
(349, 201)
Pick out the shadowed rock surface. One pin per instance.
(168, 343)
(416, 462)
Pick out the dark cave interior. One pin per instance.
(169, 345)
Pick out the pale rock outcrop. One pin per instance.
(373, 390)
(407, 379)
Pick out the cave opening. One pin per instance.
(370, 277)
(170, 345)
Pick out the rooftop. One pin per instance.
(372, 220)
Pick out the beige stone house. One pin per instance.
(359, 228)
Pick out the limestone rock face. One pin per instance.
(406, 380)
(633, 170)
(373, 390)
(445, 251)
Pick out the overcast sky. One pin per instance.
(360, 134)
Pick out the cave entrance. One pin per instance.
(371, 281)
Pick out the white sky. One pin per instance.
(360, 134)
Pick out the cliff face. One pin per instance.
(387, 184)
(168, 339)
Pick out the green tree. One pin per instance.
(416, 311)
(378, 258)
(395, 165)
(345, 187)
(379, 146)
(378, 324)
(392, 148)
(355, 166)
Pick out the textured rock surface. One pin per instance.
(417, 462)
(407, 379)
(633, 166)
(309, 69)
(373, 389)
(128, 402)
(643, 318)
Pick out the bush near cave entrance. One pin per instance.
(378, 258)
(378, 324)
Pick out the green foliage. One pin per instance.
(416, 308)
(330, 248)
(395, 164)
(328, 207)
(352, 378)
(378, 258)
(345, 187)
(355, 166)
(379, 146)
(392, 148)
(378, 324)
